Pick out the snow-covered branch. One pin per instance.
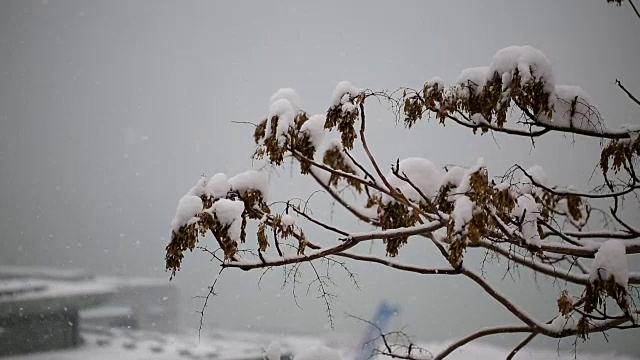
(521, 216)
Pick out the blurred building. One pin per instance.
(70, 315)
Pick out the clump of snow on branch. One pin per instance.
(318, 353)
(188, 207)
(453, 176)
(342, 95)
(288, 94)
(288, 220)
(563, 323)
(527, 211)
(472, 80)
(272, 351)
(314, 127)
(284, 113)
(436, 83)
(424, 175)
(229, 213)
(464, 184)
(530, 63)
(462, 213)
(611, 263)
(218, 186)
(200, 188)
(539, 177)
(336, 145)
(573, 108)
(250, 180)
(633, 130)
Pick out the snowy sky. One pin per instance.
(110, 111)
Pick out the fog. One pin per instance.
(111, 110)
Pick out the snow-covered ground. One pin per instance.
(125, 344)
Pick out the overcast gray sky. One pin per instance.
(111, 110)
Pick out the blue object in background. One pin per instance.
(381, 320)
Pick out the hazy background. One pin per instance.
(111, 110)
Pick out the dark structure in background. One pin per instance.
(77, 315)
(45, 309)
(39, 308)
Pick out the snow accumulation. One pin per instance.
(539, 177)
(286, 114)
(422, 173)
(633, 130)
(462, 212)
(472, 78)
(288, 94)
(250, 180)
(229, 212)
(529, 61)
(188, 207)
(502, 186)
(335, 143)
(436, 81)
(573, 108)
(562, 323)
(478, 119)
(464, 184)
(200, 188)
(611, 262)
(314, 126)
(273, 351)
(318, 353)
(341, 95)
(453, 176)
(218, 186)
(288, 220)
(527, 210)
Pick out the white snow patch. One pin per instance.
(527, 211)
(436, 84)
(633, 130)
(343, 92)
(188, 207)
(453, 176)
(229, 212)
(472, 79)
(573, 108)
(529, 61)
(539, 177)
(200, 188)
(314, 127)
(273, 351)
(611, 262)
(283, 110)
(502, 186)
(462, 213)
(562, 323)
(422, 173)
(478, 119)
(288, 94)
(288, 220)
(250, 180)
(335, 143)
(218, 186)
(320, 352)
(465, 183)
